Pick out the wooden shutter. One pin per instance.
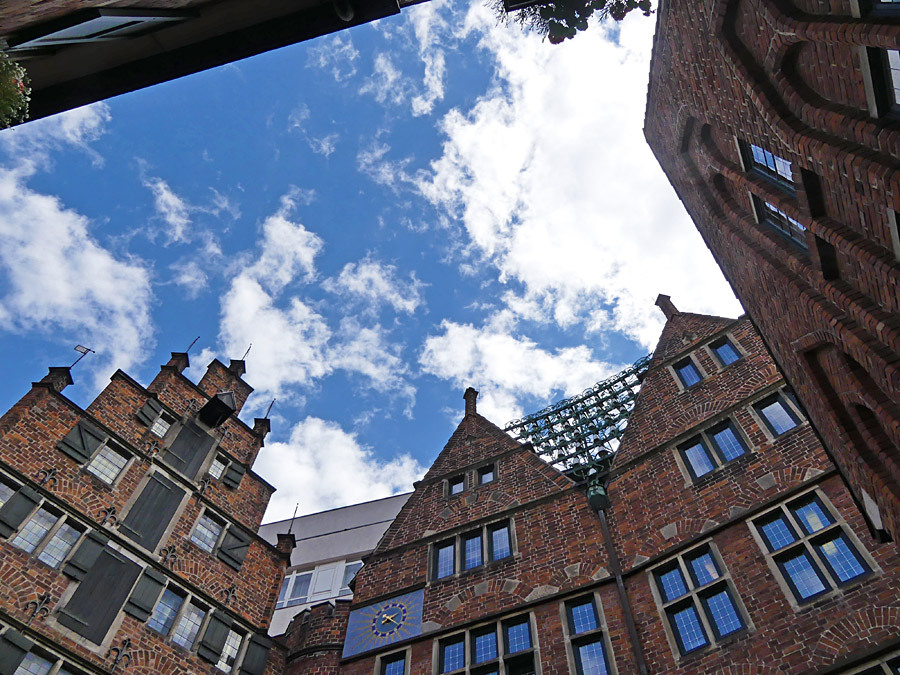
(151, 513)
(145, 594)
(16, 509)
(99, 597)
(85, 555)
(82, 442)
(256, 656)
(214, 637)
(233, 475)
(13, 648)
(151, 410)
(189, 450)
(234, 547)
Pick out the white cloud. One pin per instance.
(173, 210)
(556, 188)
(506, 368)
(324, 146)
(386, 82)
(59, 280)
(373, 162)
(190, 276)
(322, 466)
(297, 120)
(78, 128)
(377, 283)
(431, 31)
(336, 54)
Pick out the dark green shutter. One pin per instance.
(151, 513)
(145, 594)
(257, 655)
(85, 555)
(233, 475)
(189, 450)
(13, 648)
(99, 597)
(214, 637)
(82, 442)
(151, 410)
(234, 547)
(16, 509)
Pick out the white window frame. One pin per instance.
(336, 567)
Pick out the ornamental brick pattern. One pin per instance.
(800, 79)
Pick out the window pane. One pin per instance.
(282, 594)
(444, 564)
(60, 545)
(812, 516)
(107, 464)
(217, 468)
(778, 533)
(728, 443)
(894, 67)
(34, 530)
(591, 658)
(723, 613)
(33, 664)
(486, 475)
(165, 611)
(349, 572)
(484, 647)
(300, 591)
(457, 485)
(703, 568)
(688, 373)
(672, 584)
(582, 616)
(777, 416)
(472, 552)
(229, 652)
(187, 628)
(206, 534)
(518, 637)
(5, 493)
(841, 558)
(160, 427)
(396, 666)
(453, 656)
(699, 459)
(799, 568)
(689, 629)
(500, 547)
(726, 353)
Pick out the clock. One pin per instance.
(384, 623)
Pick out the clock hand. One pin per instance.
(389, 617)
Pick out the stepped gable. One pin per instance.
(521, 476)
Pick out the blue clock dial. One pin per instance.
(384, 623)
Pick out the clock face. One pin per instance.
(384, 623)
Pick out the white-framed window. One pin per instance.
(326, 581)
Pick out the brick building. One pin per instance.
(777, 124)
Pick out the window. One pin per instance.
(892, 59)
(395, 664)
(509, 643)
(777, 414)
(40, 533)
(230, 651)
(34, 530)
(188, 626)
(697, 599)
(207, 532)
(217, 468)
(456, 485)
(60, 545)
(768, 164)
(486, 474)
(711, 449)
(328, 580)
(783, 224)
(586, 639)
(472, 557)
(886, 664)
(33, 664)
(500, 547)
(725, 351)
(160, 426)
(828, 260)
(444, 563)
(491, 542)
(687, 372)
(107, 464)
(294, 590)
(6, 492)
(163, 617)
(810, 550)
(350, 571)
(152, 512)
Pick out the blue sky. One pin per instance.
(389, 214)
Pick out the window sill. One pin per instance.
(833, 595)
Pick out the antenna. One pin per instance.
(84, 351)
(293, 517)
(247, 352)
(269, 409)
(192, 344)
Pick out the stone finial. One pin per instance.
(179, 361)
(238, 367)
(287, 542)
(470, 397)
(58, 377)
(261, 427)
(664, 302)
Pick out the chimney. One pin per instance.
(287, 542)
(664, 302)
(179, 362)
(470, 396)
(238, 367)
(261, 427)
(58, 377)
